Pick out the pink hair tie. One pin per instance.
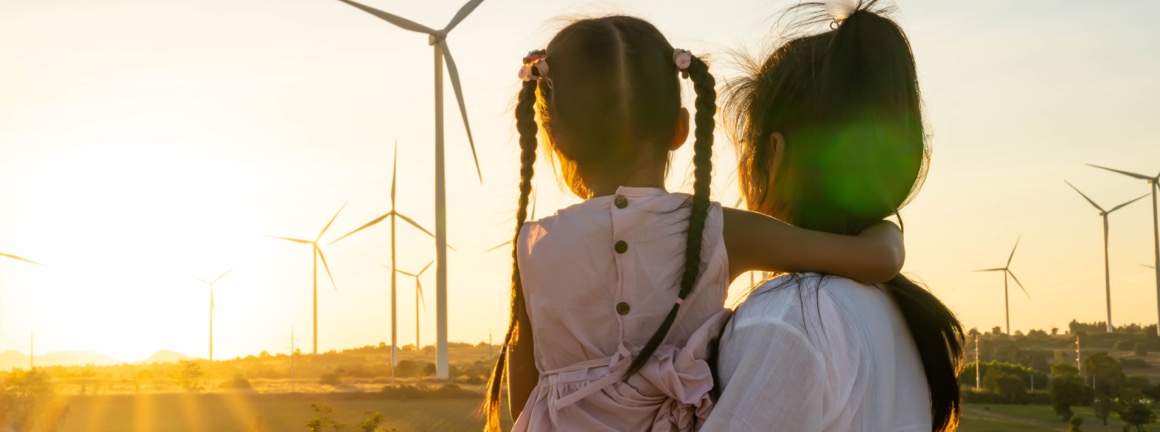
(535, 67)
(680, 300)
(683, 59)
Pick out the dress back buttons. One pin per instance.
(621, 247)
(622, 308)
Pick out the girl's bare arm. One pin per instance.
(758, 242)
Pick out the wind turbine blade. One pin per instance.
(405, 273)
(1129, 202)
(320, 234)
(497, 247)
(454, 74)
(1019, 283)
(414, 224)
(202, 280)
(399, 21)
(291, 239)
(223, 275)
(1084, 196)
(463, 13)
(1013, 251)
(394, 174)
(1129, 174)
(1146, 265)
(18, 258)
(425, 268)
(365, 226)
(327, 267)
(535, 193)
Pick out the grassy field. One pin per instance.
(248, 412)
(252, 412)
(1032, 418)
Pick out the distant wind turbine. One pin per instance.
(317, 255)
(1007, 272)
(1107, 271)
(1153, 185)
(438, 40)
(392, 214)
(18, 258)
(210, 283)
(418, 297)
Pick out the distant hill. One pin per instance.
(14, 359)
(166, 356)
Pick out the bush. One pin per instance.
(1140, 350)
(1122, 345)
(238, 383)
(1074, 424)
(330, 379)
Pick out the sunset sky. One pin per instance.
(144, 143)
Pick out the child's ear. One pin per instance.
(682, 133)
(777, 149)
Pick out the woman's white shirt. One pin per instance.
(812, 353)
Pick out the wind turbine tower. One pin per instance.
(317, 255)
(1107, 271)
(438, 40)
(393, 214)
(211, 306)
(1153, 186)
(1007, 272)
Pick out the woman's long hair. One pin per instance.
(847, 104)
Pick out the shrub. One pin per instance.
(1074, 424)
(238, 383)
(1140, 350)
(330, 379)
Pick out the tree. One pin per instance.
(1065, 391)
(1108, 372)
(1137, 413)
(1061, 369)
(1140, 350)
(1055, 331)
(189, 374)
(1103, 405)
(1008, 385)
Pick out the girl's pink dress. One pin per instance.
(599, 277)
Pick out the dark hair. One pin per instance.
(846, 101)
(612, 92)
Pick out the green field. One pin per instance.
(243, 412)
(1032, 418)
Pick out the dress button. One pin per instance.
(621, 201)
(621, 247)
(622, 308)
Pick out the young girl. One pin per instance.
(831, 136)
(615, 300)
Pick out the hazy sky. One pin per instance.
(144, 143)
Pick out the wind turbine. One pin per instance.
(393, 214)
(1007, 272)
(1153, 185)
(210, 283)
(19, 258)
(1107, 272)
(317, 255)
(418, 297)
(438, 40)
